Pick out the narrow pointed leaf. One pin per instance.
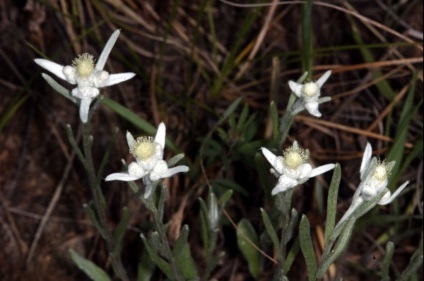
(246, 235)
(291, 226)
(156, 244)
(181, 241)
(397, 150)
(230, 110)
(271, 232)
(120, 231)
(390, 247)
(161, 263)
(341, 245)
(332, 202)
(307, 247)
(225, 197)
(90, 269)
(145, 267)
(89, 208)
(291, 256)
(186, 264)
(174, 160)
(243, 117)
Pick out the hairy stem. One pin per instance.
(284, 206)
(100, 204)
(160, 228)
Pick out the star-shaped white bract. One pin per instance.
(310, 93)
(88, 76)
(292, 168)
(149, 164)
(374, 176)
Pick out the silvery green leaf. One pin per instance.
(246, 235)
(181, 240)
(341, 245)
(161, 263)
(225, 197)
(332, 202)
(271, 232)
(174, 160)
(307, 247)
(390, 247)
(90, 269)
(291, 226)
(145, 267)
(186, 264)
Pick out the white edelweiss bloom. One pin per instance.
(87, 75)
(292, 168)
(149, 164)
(374, 176)
(310, 93)
(374, 180)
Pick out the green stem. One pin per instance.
(288, 117)
(100, 204)
(284, 206)
(160, 228)
(286, 122)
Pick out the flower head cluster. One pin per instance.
(149, 164)
(375, 178)
(310, 92)
(87, 75)
(292, 168)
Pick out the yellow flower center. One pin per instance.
(310, 89)
(144, 148)
(380, 172)
(84, 65)
(294, 157)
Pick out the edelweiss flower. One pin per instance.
(374, 180)
(87, 75)
(149, 164)
(374, 176)
(292, 168)
(310, 93)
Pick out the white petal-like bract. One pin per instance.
(292, 168)
(120, 177)
(117, 78)
(149, 164)
(366, 159)
(320, 82)
(88, 77)
(309, 95)
(53, 67)
(321, 170)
